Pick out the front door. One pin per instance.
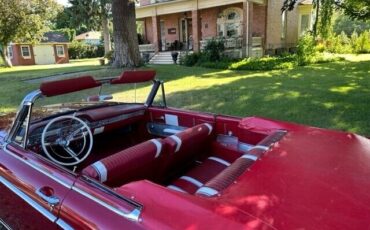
(186, 32)
(44, 54)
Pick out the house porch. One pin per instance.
(181, 25)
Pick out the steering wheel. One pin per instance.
(67, 140)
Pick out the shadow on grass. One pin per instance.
(335, 95)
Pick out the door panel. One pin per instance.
(27, 184)
(44, 55)
(184, 118)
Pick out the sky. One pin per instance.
(63, 2)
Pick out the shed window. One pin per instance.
(10, 52)
(60, 51)
(26, 52)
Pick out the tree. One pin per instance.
(325, 8)
(126, 51)
(24, 21)
(95, 15)
(347, 25)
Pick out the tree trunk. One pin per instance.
(126, 44)
(107, 43)
(4, 56)
(315, 25)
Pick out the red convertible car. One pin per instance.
(87, 153)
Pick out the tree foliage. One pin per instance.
(356, 9)
(24, 21)
(347, 25)
(92, 14)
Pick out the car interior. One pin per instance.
(188, 152)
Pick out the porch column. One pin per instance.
(195, 14)
(156, 33)
(247, 28)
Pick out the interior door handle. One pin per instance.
(47, 194)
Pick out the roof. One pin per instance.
(89, 35)
(54, 37)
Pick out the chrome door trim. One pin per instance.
(133, 216)
(5, 225)
(37, 168)
(50, 216)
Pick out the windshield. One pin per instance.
(107, 95)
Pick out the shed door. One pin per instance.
(44, 55)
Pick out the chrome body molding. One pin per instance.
(3, 224)
(50, 216)
(38, 168)
(133, 216)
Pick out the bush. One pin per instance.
(214, 49)
(190, 59)
(79, 50)
(306, 50)
(265, 63)
(362, 43)
(110, 56)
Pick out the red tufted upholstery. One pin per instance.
(186, 145)
(135, 76)
(135, 163)
(54, 88)
(200, 175)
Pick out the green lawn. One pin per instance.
(332, 95)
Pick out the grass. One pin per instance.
(330, 95)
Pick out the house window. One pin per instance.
(229, 23)
(283, 24)
(60, 50)
(10, 52)
(305, 23)
(26, 52)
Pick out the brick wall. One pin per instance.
(259, 21)
(17, 56)
(61, 60)
(209, 22)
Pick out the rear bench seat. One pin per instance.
(222, 169)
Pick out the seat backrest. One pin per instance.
(135, 163)
(184, 146)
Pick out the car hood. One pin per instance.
(311, 179)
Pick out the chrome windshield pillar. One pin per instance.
(23, 115)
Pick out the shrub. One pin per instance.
(214, 49)
(265, 63)
(216, 65)
(362, 43)
(110, 56)
(78, 50)
(190, 59)
(306, 50)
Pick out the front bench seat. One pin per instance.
(135, 163)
